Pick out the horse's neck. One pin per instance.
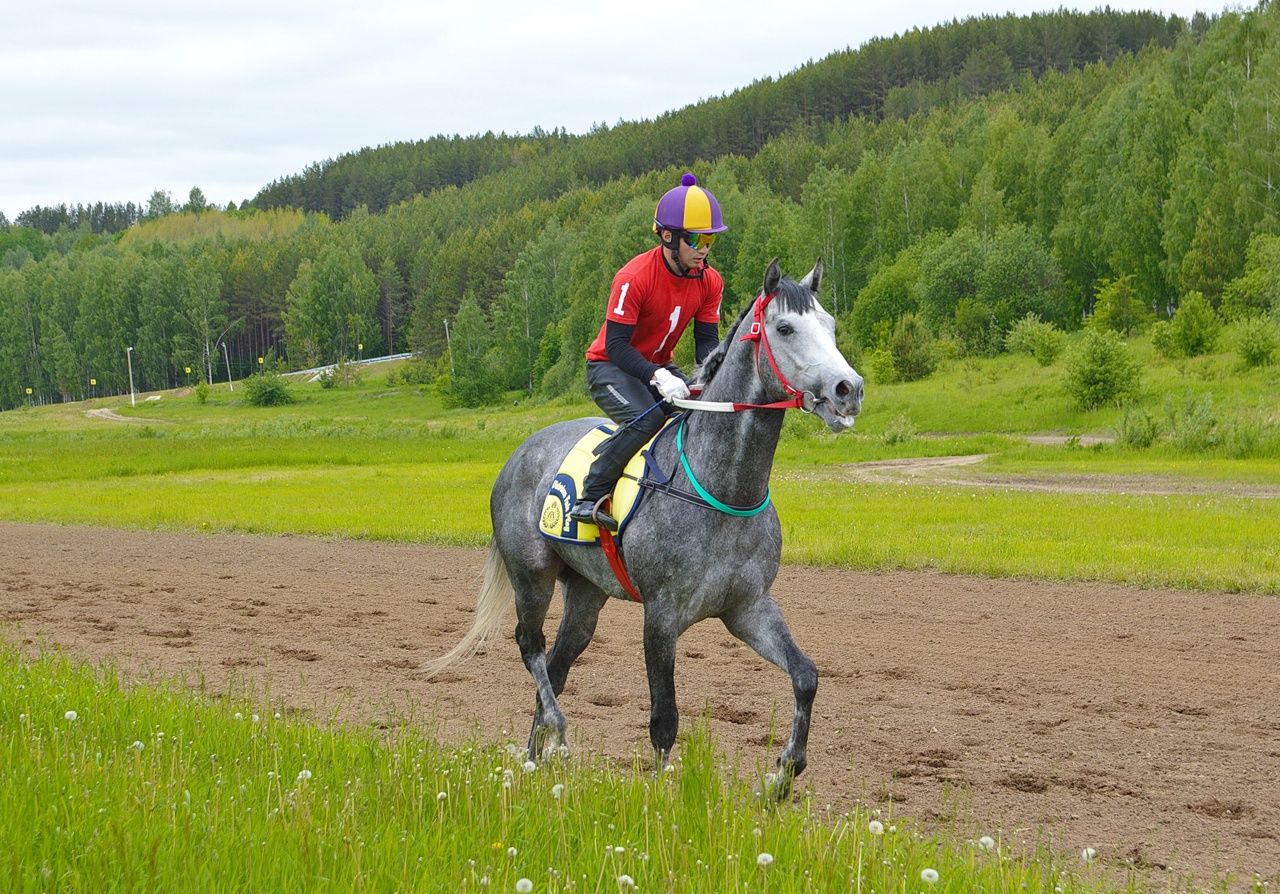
(732, 453)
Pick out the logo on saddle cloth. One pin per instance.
(555, 522)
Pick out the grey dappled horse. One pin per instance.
(689, 562)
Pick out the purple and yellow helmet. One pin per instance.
(688, 207)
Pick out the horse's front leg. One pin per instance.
(760, 625)
(660, 634)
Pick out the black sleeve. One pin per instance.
(617, 344)
(706, 337)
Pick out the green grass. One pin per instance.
(150, 788)
(392, 463)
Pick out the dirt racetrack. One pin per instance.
(1145, 724)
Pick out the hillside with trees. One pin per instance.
(955, 180)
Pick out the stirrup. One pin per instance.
(595, 514)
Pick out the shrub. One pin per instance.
(899, 431)
(1195, 325)
(343, 374)
(1031, 335)
(879, 366)
(1118, 306)
(1099, 370)
(1191, 422)
(1256, 341)
(1162, 339)
(202, 391)
(911, 349)
(1137, 428)
(268, 389)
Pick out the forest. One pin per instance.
(955, 180)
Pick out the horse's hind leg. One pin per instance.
(760, 625)
(582, 603)
(533, 595)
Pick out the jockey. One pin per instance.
(653, 298)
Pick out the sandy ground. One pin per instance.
(1145, 724)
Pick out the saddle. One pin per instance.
(554, 522)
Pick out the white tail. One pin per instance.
(496, 597)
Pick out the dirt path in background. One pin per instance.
(1145, 724)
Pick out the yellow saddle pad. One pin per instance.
(555, 522)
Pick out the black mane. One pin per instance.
(790, 296)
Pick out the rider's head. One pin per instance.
(686, 220)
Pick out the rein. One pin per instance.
(757, 335)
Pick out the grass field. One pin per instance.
(392, 463)
(113, 788)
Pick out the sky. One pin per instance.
(109, 102)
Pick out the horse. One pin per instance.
(690, 563)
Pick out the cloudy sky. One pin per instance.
(107, 102)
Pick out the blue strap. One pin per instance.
(702, 491)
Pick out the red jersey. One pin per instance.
(647, 295)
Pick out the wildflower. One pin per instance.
(530, 766)
(254, 718)
(1088, 854)
(304, 775)
(239, 716)
(71, 715)
(511, 852)
(619, 850)
(626, 881)
(875, 827)
(557, 790)
(929, 876)
(441, 796)
(137, 746)
(764, 858)
(524, 886)
(987, 843)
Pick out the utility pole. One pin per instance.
(448, 343)
(133, 401)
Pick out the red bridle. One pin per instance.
(757, 335)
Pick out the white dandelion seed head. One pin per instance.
(511, 852)
(254, 717)
(875, 827)
(239, 716)
(557, 790)
(929, 876)
(304, 775)
(987, 843)
(524, 886)
(441, 796)
(626, 881)
(71, 715)
(764, 858)
(530, 766)
(137, 745)
(1088, 854)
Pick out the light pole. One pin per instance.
(448, 343)
(133, 401)
(227, 360)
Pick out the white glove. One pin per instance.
(669, 385)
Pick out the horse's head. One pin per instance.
(801, 339)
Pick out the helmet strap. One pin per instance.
(673, 249)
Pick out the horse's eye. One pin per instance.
(785, 329)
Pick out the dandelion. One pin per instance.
(987, 843)
(626, 881)
(239, 716)
(929, 876)
(137, 745)
(875, 827)
(530, 766)
(619, 850)
(524, 886)
(304, 775)
(441, 796)
(254, 718)
(71, 715)
(1088, 854)
(557, 791)
(764, 859)
(511, 852)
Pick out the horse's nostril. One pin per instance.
(843, 388)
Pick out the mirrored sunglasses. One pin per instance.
(699, 240)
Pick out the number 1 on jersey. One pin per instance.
(622, 296)
(675, 318)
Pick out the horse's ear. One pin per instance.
(772, 276)
(814, 277)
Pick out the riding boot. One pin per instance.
(612, 456)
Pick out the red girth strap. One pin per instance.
(615, 562)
